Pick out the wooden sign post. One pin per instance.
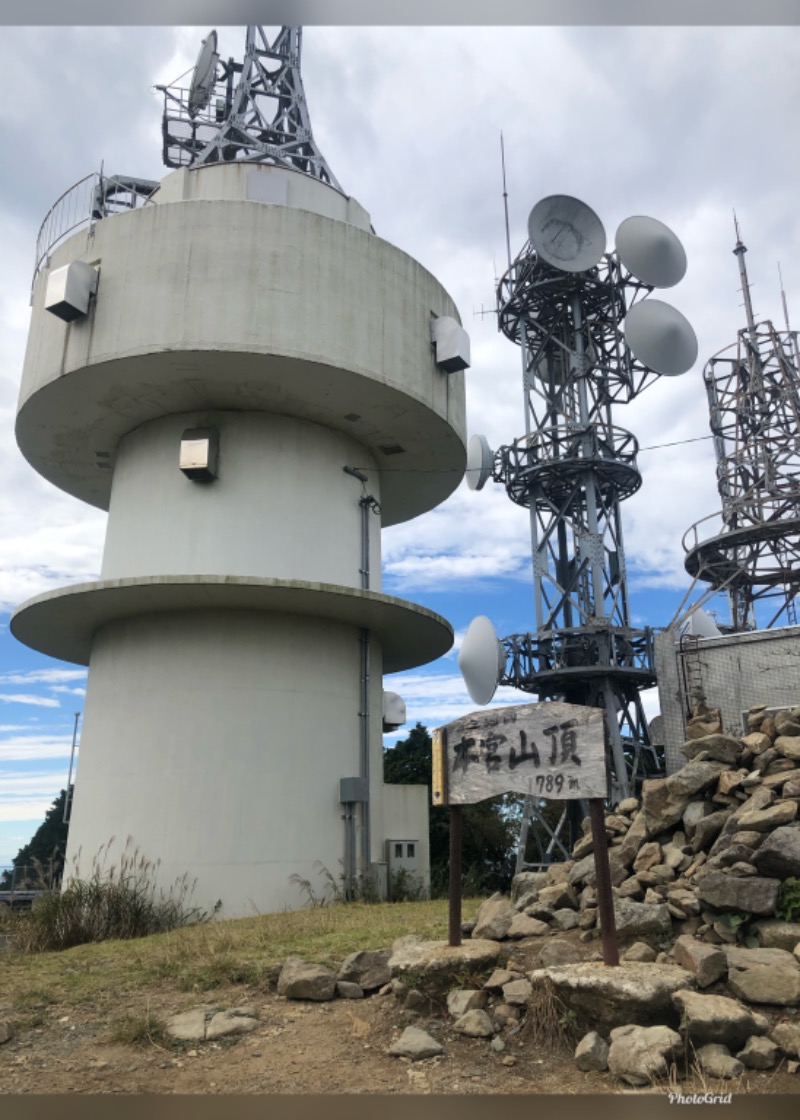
(552, 751)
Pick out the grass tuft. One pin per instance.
(116, 902)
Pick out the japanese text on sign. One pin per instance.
(551, 750)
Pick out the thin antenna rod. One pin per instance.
(740, 251)
(792, 337)
(505, 197)
(783, 299)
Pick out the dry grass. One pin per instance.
(549, 1025)
(202, 957)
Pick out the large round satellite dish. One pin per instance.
(651, 251)
(481, 660)
(660, 337)
(480, 460)
(204, 76)
(566, 233)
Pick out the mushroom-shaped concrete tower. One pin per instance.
(251, 382)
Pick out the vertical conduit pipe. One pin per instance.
(366, 504)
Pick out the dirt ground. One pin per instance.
(321, 1048)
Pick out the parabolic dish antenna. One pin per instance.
(480, 461)
(481, 660)
(651, 251)
(566, 233)
(204, 76)
(660, 337)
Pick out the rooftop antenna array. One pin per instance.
(250, 110)
(751, 547)
(589, 339)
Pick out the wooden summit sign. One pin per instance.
(554, 751)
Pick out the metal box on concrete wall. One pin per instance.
(403, 856)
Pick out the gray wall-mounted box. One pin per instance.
(452, 344)
(69, 289)
(199, 455)
(353, 790)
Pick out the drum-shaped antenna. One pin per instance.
(566, 233)
(204, 76)
(660, 337)
(481, 660)
(480, 460)
(651, 251)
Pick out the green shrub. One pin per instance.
(788, 906)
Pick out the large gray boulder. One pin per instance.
(517, 992)
(723, 748)
(740, 958)
(642, 1055)
(635, 920)
(773, 933)
(707, 1018)
(612, 997)
(706, 962)
(474, 1024)
(369, 969)
(204, 1024)
(227, 1023)
(694, 778)
(787, 1036)
(527, 882)
(716, 1060)
(415, 1044)
(559, 951)
(462, 1000)
(440, 958)
(779, 855)
(494, 918)
(773, 984)
(759, 1053)
(300, 979)
(775, 816)
(524, 926)
(591, 1053)
(732, 892)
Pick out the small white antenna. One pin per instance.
(793, 338)
(505, 197)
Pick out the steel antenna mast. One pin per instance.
(564, 302)
(752, 546)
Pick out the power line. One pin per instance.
(422, 470)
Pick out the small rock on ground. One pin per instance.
(415, 1044)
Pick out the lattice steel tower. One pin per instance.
(753, 391)
(564, 302)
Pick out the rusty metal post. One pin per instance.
(455, 874)
(605, 899)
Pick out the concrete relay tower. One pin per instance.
(251, 382)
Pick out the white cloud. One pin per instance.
(28, 748)
(424, 157)
(43, 676)
(27, 698)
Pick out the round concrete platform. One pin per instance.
(62, 623)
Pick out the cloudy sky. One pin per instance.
(683, 124)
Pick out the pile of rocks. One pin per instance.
(698, 868)
(711, 965)
(705, 852)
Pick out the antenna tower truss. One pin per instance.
(753, 391)
(254, 110)
(567, 304)
(572, 469)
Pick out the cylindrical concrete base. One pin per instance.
(202, 736)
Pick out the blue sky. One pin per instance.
(683, 124)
